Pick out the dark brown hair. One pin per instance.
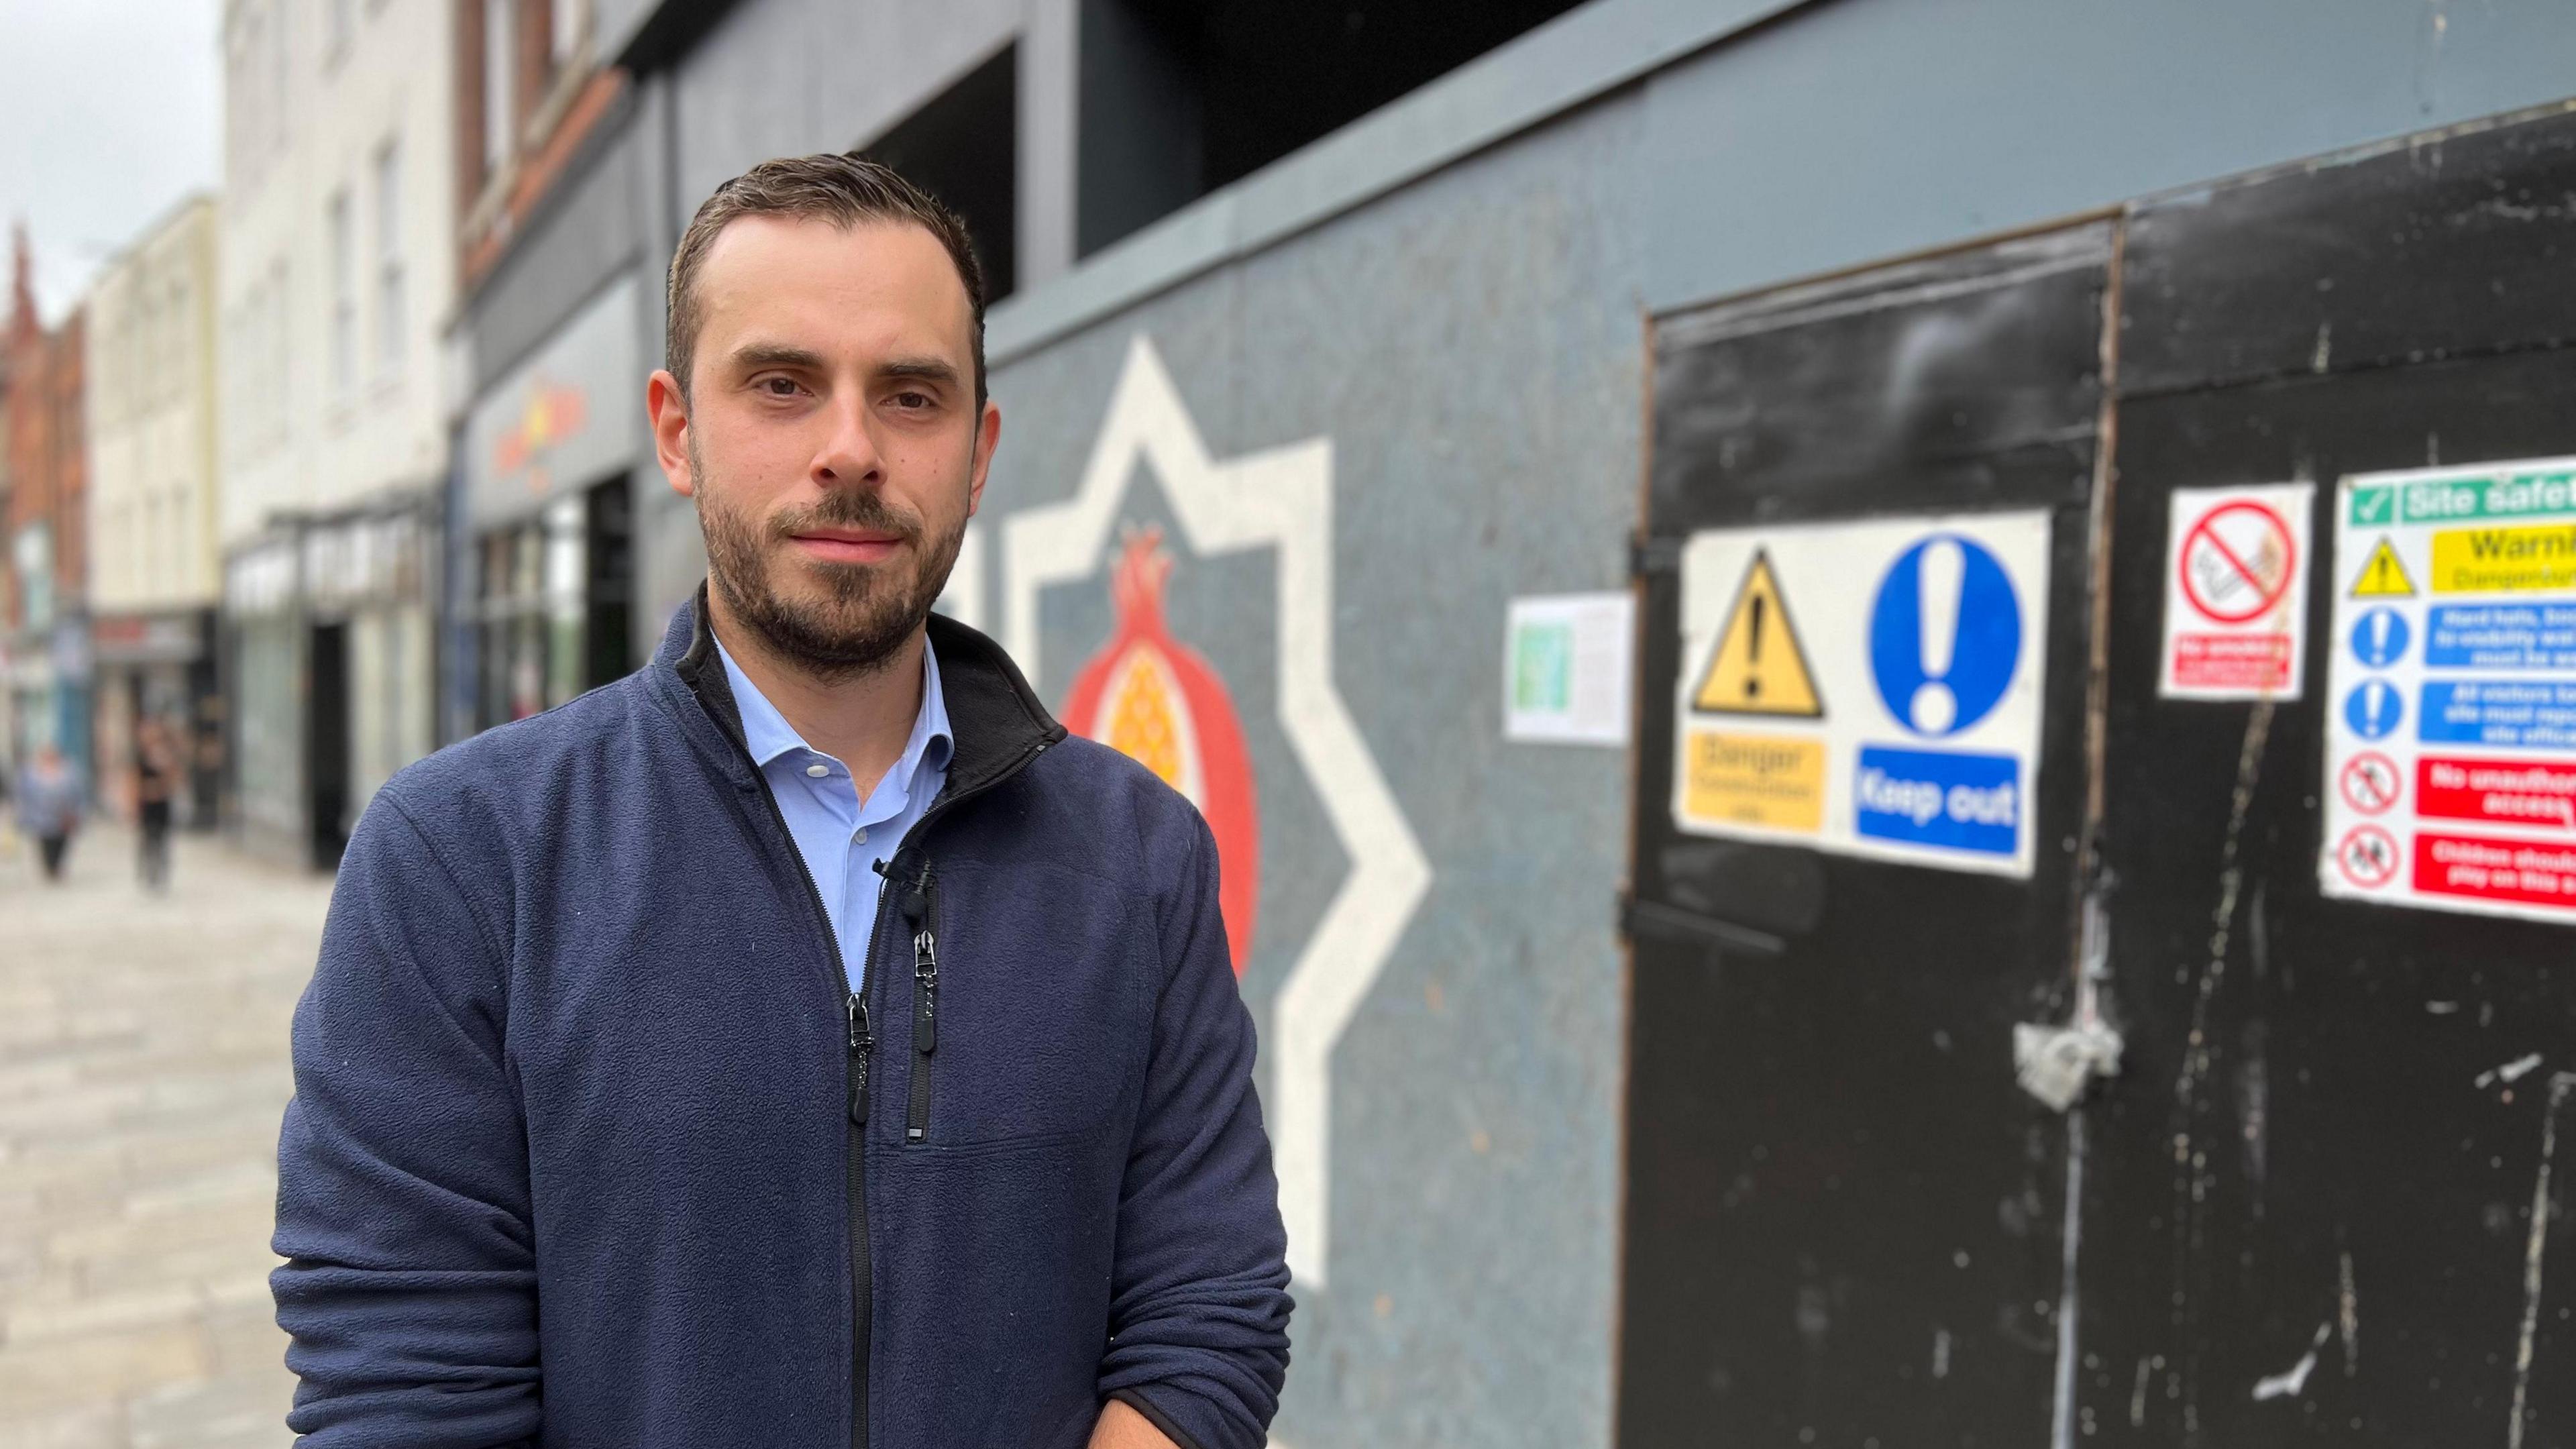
(845, 190)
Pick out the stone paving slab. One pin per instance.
(143, 1068)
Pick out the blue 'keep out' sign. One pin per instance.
(1944, 636)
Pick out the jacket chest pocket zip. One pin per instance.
(862, 1044)
(919, 912)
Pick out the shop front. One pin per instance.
(158, 666)
(550, 463)
(330, 671)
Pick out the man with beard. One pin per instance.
(801, 1042)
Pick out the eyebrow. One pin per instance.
(925, 369)
(770, 354)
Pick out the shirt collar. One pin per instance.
(767, 734)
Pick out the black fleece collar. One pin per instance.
(998, 721)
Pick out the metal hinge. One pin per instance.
(1648, 554)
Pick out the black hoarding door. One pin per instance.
(2321, 1199)
(1861, 787)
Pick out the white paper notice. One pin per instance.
(2236, 592)
(1566, 669)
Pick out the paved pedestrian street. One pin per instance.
(143, 1066)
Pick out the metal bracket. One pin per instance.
(1648, 554)
(1654, 920)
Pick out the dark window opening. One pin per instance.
(962, 146)
(609, 543)
(1180, 97)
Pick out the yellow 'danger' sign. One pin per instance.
(1756, 779)
(1757, 666)
(2504, 560)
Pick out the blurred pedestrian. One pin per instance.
(156, 782)
(49, 802)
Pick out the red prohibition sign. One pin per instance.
(2227, 565)
(2369, 782)
(2367, 857)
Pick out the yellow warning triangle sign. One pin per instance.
(2382, 576)
(1757, 667)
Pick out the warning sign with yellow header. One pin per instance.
(1871, 688)
(2450, 763)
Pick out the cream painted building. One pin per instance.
(338, 280)
(155, 569)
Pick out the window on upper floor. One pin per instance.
(962, 146)
(344, 297)
(564, 23)
(1180, 97)
(500, 51)
(390, 319)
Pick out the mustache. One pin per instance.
(848, 510)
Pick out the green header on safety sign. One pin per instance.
(2464, 496)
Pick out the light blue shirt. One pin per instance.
(841, 839)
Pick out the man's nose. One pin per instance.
(849, 457)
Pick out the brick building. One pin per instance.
(44, 652)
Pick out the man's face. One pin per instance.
(830, 437)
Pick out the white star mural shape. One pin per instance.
(1281, 498)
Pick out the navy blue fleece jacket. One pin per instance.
(591, 1146)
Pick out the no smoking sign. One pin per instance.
(2236, 593)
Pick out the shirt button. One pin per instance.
(860, 838)
(818, 770)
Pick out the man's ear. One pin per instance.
(670, 414)
(988, 436)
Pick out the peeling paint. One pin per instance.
(2348, 1314)
(2292, 1381)
(2531, 1259)
(2510, 1072)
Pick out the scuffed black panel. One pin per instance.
(2450, 245)
(2300, 1157)
(1842, 1217)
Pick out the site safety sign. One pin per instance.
(2451, 705)
(2236, 597)
(1871, 688)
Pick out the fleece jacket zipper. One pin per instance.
(918, 912)
(862, 1041)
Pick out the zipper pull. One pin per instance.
(860, 1050)
(925, 992)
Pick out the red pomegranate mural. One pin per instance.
(1159, 703)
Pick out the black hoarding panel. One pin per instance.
(2309, 1213)
(2448, 245)
(1842, 1217)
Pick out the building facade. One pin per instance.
(156, 570)
(44, 482)
(1352, 337)
(337, 283)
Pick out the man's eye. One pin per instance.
(779, 386)
(912, 401)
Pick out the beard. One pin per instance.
(866, 613)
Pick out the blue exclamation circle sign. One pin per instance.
(2374, 709)
(1944, 635)
(2379, 637)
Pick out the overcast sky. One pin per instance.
(110, 112)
